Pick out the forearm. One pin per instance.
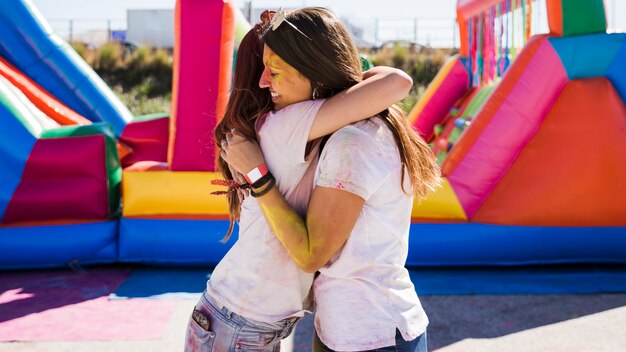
(381, 88)
(381, 70)
(289, 227)
(395, 82)
(331, 213)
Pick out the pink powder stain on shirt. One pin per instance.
(339, 185)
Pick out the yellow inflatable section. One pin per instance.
(167, 193)
(440, 204)
(163, 193)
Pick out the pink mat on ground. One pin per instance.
(63, 305)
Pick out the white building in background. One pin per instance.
(153, 28)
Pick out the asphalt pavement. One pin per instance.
(482, 323)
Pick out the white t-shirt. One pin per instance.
(364, 293)
(257, 278)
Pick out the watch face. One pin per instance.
(201, 320)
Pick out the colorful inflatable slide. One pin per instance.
(536, 159)
(169, 215)
(59, 165)
(64, 137)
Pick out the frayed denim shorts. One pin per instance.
(230, 332)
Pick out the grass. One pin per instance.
(141, 104)
(141, 78)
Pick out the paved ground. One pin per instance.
(555, 323)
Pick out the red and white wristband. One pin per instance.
(256, 174)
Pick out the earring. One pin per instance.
(315, 94)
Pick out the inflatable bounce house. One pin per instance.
(59, 166)
(71, 153)
(169, 215)
(532, 143)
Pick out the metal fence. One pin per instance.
(371, 32)
(94, 32)
(431, 32)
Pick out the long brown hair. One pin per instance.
(246, 104)
(325, 53)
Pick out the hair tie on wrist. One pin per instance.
(262, 181)
(272, 182)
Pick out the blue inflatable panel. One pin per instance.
(158, 241)
(587, 56)
(617, 72)
(479, 244)
(16, 143)
(58, 245)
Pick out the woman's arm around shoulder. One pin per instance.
(381, 87)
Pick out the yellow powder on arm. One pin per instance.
(288, 226)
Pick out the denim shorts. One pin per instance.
(419, 344)
(230, 332)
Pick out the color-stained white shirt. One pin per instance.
(364, 293)
(257, 278)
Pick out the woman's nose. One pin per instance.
(264, 81)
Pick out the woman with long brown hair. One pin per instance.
(257, 293)
(355, 231)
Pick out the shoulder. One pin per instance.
(370, 133)
(359, 157)
(296, 117)
(297, 109)
(369, 141)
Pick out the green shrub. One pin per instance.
(140, 59)
(109, 57)
(422, 64)
(400, 56)
(81, 49)
(140, 104)
(161, 60)
(142, 78)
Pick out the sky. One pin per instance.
(117, 8)
(424, 20)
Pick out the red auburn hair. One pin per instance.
(246, 104)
